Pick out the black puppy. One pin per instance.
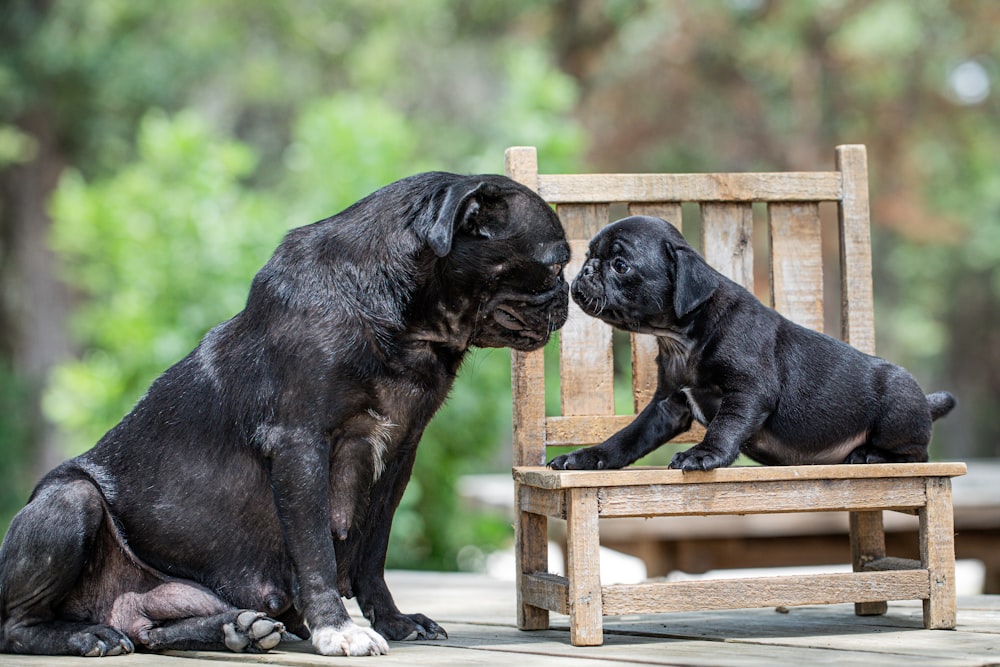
(764, 386)
(262, 471)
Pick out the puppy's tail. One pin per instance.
(941, 403)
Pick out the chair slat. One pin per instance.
(857, 303)
(788, 186)
(586, 367)
(797, 262)
(583, 221)
(727, 240)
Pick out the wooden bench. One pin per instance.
(587, 416)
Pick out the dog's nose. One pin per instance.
(588, 269)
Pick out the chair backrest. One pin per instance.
(726, 201)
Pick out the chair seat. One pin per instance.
(547, 478)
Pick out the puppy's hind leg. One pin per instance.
(903, 428)
(42, 560)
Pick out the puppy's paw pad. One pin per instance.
(252, 630)
(349, 639)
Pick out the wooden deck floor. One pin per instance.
(478, 613)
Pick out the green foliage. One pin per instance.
(15, 436)
(160, 251)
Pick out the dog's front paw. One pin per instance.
(252, 631)
(700, 458)
(410, 627)
(349, 639)
(590, 458)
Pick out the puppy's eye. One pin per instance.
(620, 265)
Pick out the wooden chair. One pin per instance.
(586, 374)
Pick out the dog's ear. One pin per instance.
(694, 279)
(458, 208)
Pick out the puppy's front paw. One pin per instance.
(591, 458)
(700, 458)
(349, 639)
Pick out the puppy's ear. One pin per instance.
(437, 226)
(694, 280)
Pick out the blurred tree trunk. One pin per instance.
(35, 303)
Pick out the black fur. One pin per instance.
(262, 471)
(764, 386)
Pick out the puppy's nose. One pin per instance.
(588, 269)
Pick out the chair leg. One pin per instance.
(937, 554)
(532, 555)
(583, 568)
(867, 545)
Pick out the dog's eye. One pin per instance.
(620, 265)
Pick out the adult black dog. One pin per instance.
(262, 471)
(778, 392)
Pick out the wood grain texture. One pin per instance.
(586, 367)
(796, 262)
(531, 555)
(808, 495)
(937, 554)
(671, 212)
(857, 302)
(521, 165)
(582, 222)
(789, 590)
(867, 547)
(583, 568)
(727, 240)
(641, 476)
(644, 348)
(595, 429)
(788, 186)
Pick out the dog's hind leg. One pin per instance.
(902, 430)
(236, 630)
(48, 548)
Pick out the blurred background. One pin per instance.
(153, 155)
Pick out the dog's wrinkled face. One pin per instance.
(506, 258)
(641, 275)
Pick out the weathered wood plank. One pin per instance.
(867, 546)
(586, 367)
(556, 479)
(582, 222)
(527, 368)
(727, 240)
(547, 591)
(532, 555)
(547, 502)
(857, 301)
(527, 374)
(762, 497)
(937, 554)
(583, 596)
(592, 430)
(644, 370)
(789, 590)
(789, 186)
(797, 262)
(671, 212)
